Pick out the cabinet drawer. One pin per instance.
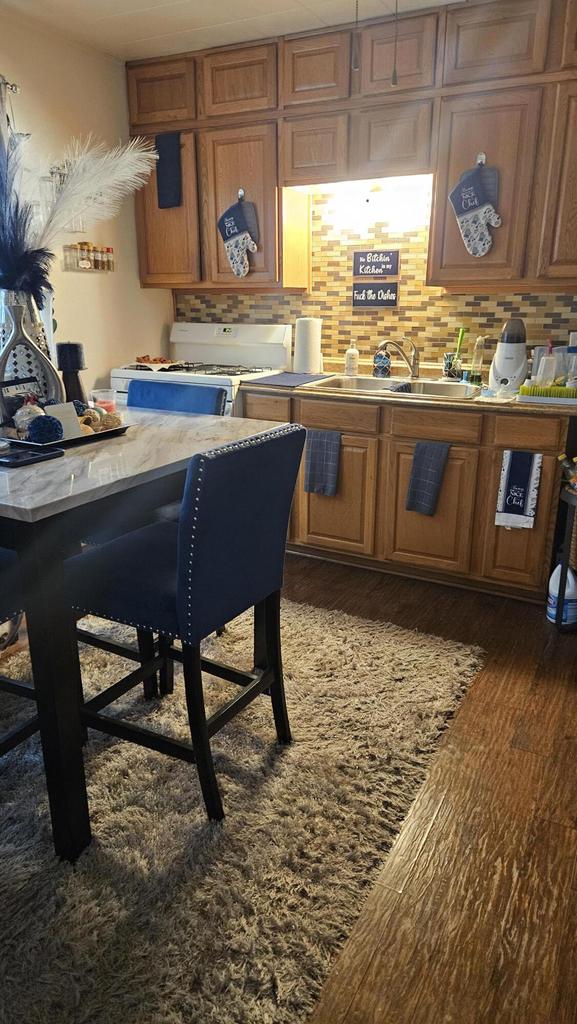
(267, 407)
(437, 425)
(498, 40)
(236, 81)
(536, 432)
(343, 416)
(315, 68)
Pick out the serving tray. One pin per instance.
(70, 442)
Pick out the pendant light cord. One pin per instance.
(355, 63)
(395, 76)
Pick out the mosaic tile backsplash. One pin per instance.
(429, 316)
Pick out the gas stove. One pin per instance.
(217, 354)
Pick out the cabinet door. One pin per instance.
(161, 92)
(168, 240)
(230, 159)
(393, 139)
(504, 125)
(442, 541)
(518, 557)
(416, 49)
(558, 246)
(488, 41)
(314, 149)
(315, 68)
(345, 522)
(238, 81)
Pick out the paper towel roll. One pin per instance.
(308, 358)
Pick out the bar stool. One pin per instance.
(10, 607)
(170, 396)
(185, 579)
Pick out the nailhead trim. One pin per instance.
(123, 622)
(251, 442)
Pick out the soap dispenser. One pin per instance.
(352, 360)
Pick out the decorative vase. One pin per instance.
(32, 319)
(21, 357)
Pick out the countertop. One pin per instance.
(156, 445)
(416, 402)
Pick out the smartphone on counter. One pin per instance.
(13, 459)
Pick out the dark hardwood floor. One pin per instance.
(473, 917)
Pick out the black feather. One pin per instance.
(22, 269)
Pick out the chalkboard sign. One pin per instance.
(369, 296)
(376, 263)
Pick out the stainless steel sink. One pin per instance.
(444, 389)
(420, 388)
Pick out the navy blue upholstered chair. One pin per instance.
(186, 579)
(11, 609)
(170, 396)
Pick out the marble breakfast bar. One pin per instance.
(45, 511)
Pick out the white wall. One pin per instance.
(66, 91)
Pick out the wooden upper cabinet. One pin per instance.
(504, 125)
(315, 68)
(442, 541)
(498, 40)
(416, 49)
(168, 240)
(392, 139)
(161, 92)
(230, 159)
(238, 81)
(558, 244)
(314, 149)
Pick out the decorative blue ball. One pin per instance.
(44, 429)
(80, 407)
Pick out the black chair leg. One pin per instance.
(166, 674)
(147, 652)
(267, 655)
(198, 731)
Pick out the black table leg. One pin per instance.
(56, 669)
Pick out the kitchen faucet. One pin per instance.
(412, 364)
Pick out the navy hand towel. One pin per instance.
(322, 455)
(429, 461)
(518, 490)
(168, 170)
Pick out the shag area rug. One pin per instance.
(168, 919)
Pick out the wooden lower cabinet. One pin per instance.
(519, 557)
(345, 522)
(442, 541)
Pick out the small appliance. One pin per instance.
(213, 353)
(509, 367)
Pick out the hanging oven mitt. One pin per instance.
(474, 212)
(235, 229)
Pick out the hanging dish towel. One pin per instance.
(322, 454)
(428, 469)
(518, 490)
(168, 170)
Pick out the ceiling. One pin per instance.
(130, 29)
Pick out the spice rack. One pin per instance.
(86, 258)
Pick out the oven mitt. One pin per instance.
(235, 232)
(474, 212)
